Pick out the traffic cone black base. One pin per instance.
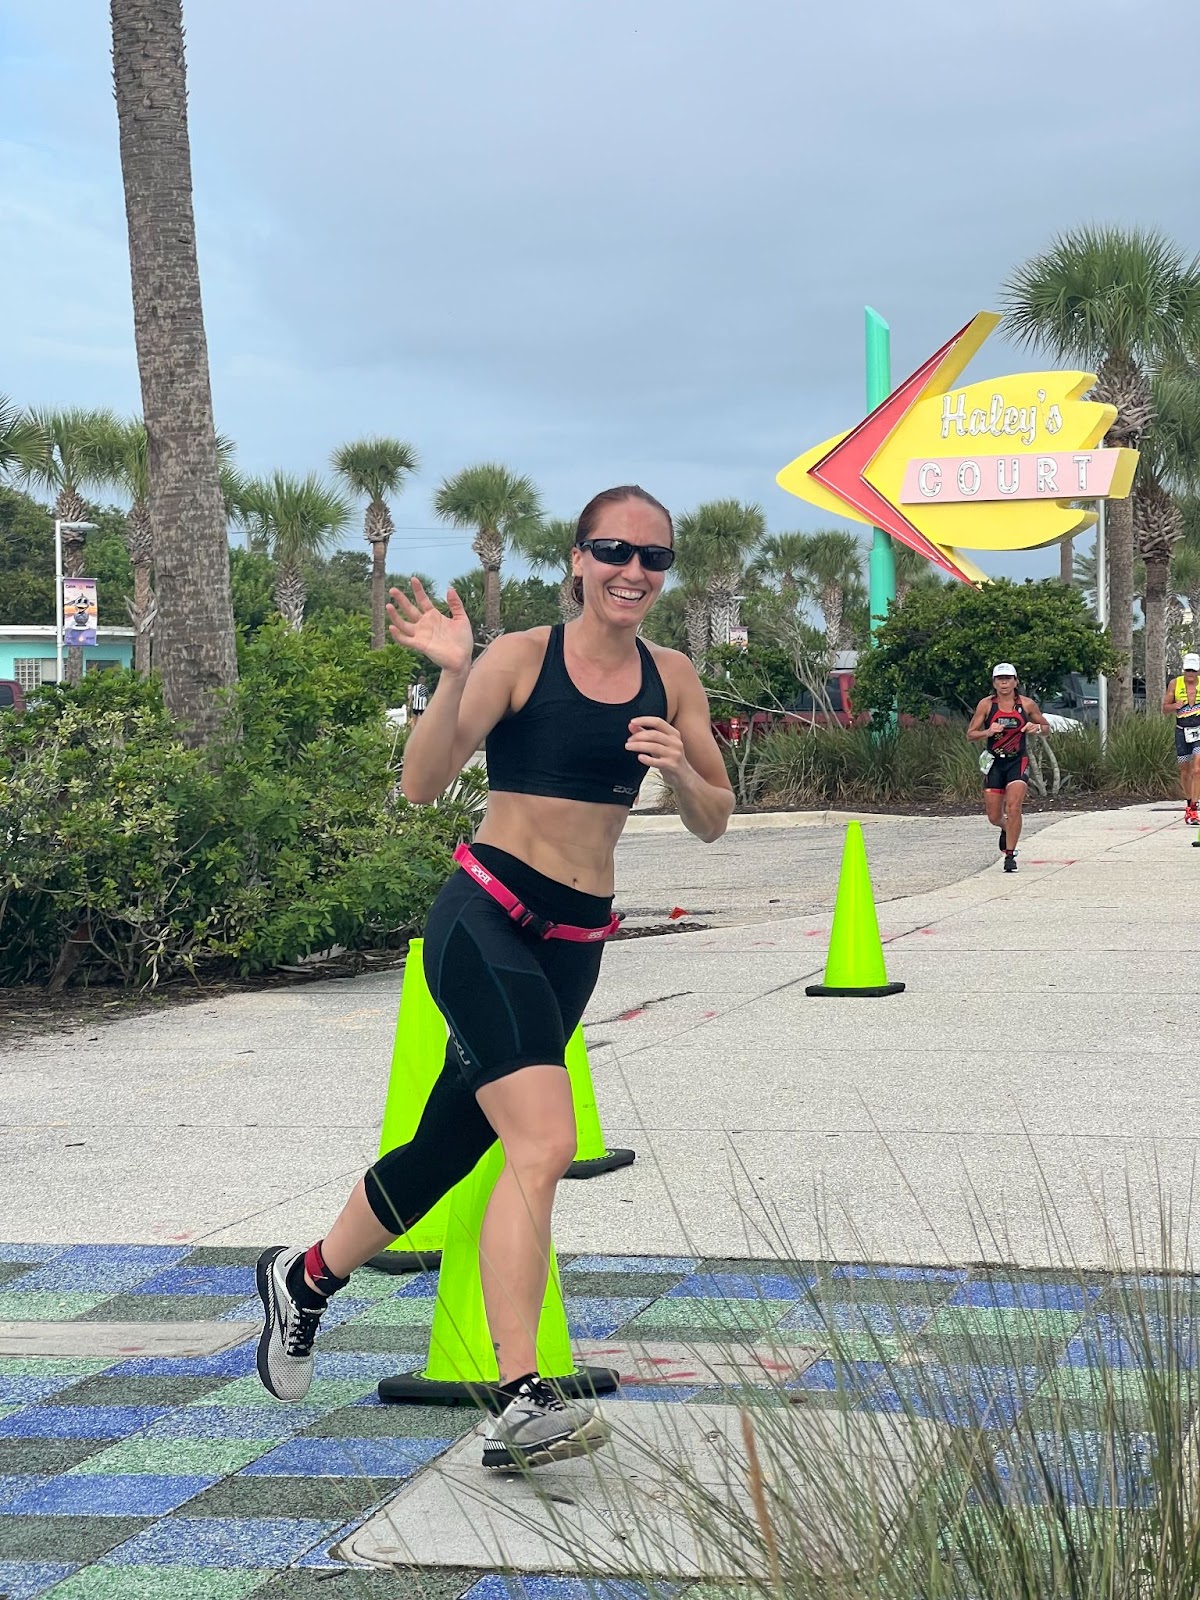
(410, 1388)
(596, 1166)
(401, 1261)
(877, 991)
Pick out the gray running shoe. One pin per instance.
(285, 1358)
(538, 1426)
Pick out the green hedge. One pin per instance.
(126, 856)
(835, 766)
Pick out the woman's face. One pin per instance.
(1004, 685)
(622, 595)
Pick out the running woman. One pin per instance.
(1183, 699)
(1004, 719)
(573, 716)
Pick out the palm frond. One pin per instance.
(490, 497)
(1099, 292)
(376, 466)
(296, 518)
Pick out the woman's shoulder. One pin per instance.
(668, 660)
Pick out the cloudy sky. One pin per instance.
(598, 240)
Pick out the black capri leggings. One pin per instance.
(510, 1000)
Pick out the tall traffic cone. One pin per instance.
(855, 964)
(461, 1365)
(417, 1056)
(592, 1156)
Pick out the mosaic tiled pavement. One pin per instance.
(158, 1476)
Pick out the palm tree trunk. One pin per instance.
(195, 646)
(832, 604)
(695, 618)
(1119, 546)
(379, 549)
(141, 614)
(1156, 630)
(491, 603)
(377, 530)
(291, 593)
(1066, 562)
(568, 607)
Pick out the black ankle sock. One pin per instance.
(301, 1291)
(510, 1389)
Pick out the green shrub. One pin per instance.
(131, 857)
(1140, 758)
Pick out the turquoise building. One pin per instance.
(28, 654)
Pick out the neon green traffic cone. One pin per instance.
(461, 1364)
(417, 1057)
(855, 965)
(592, 1155)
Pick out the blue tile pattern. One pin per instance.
(884, 1351)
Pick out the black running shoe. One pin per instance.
(285, 1358)
(1010, 861)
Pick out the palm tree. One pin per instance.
(547, 547)
(781, 557)
(501, 507)
(833, 561)
(23, 444)
(61, 470)
(196, 652)
(913, 572)
(376, 467)
(1125, 302)
(296, 520)
(713, 544)
(115, 455)
(1169, 465)
(1185, 580)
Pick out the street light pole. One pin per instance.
(75, 527)
(58, 599)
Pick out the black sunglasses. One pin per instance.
(618, 552)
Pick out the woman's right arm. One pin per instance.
(977, 729)
(462, 711)
(469, 700)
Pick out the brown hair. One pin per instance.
(590, 515)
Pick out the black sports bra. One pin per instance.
(566, 746)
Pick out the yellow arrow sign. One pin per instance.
(990, 466)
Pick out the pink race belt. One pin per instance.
(521, 914)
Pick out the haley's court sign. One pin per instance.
(989, 466)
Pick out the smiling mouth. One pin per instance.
(626, 597)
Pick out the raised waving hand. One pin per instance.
(447, 641)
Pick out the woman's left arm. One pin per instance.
(686, 754)
(1037, 722)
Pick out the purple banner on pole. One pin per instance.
(79, 611)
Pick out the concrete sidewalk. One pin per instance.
(1042, 1043)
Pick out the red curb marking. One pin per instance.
(628, 1016)
(705, 1015)
(675, 913)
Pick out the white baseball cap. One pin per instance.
(1004, 669)
(1191, 663)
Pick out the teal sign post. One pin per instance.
(882, 587)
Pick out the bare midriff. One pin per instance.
(571, 841)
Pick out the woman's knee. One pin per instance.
(545, 1159)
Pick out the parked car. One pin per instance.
(12, 696)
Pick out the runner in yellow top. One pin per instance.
(1183, 698)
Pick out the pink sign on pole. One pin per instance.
(1040, 475)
